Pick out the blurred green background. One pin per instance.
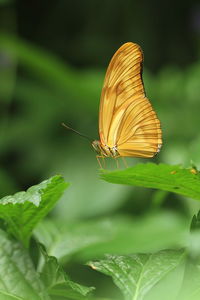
(53, 57)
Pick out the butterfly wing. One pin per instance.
(127, 119)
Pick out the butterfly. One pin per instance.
(128, 125)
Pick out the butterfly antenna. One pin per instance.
(69, 128)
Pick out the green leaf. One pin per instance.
(23, 210)
(175, 179)
(58, 283)
(18, 277)
(195, 224)
(5, 296)
(190, 289)
(137, 274)
(120, 234)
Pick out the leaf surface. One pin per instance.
(23, 210)
(18, 277)
(58, 283)
(137, 274)
(170, 178)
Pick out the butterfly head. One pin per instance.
(97, 147)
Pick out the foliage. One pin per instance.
(136, 232)
(136, 274)
(20, 280)
(184, 181)
(139, 276)
(118, 234)
(22, 211)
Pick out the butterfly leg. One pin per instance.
(117, 162)
(99, 162)
(124, 161)
(104, 162)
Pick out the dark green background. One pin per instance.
(53, 57)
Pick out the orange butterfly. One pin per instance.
(128, 125)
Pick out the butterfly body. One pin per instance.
(104, 150)
(128, 125)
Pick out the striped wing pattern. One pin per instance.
(126, 119)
